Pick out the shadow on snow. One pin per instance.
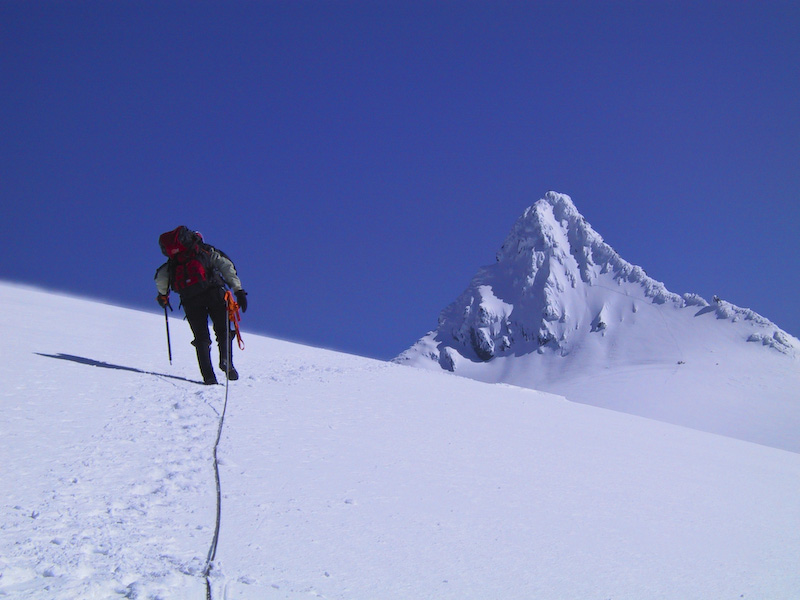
(97, 363)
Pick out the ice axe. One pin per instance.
(169, 344)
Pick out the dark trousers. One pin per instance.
(208, 304)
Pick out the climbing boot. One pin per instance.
(230, 371)
(204, 361)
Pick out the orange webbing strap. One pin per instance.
(233, 317)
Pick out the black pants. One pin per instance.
(208, 304)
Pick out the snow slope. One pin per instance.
(349, 478)
(561, 311)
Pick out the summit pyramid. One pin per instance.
(560, 310)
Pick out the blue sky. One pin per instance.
(361, 160)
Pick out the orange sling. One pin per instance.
(234, 317)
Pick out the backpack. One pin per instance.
(189, 262)
(178, 240)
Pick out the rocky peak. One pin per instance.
(556, 286)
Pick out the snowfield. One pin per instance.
(349, 478)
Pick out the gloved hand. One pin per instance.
(241, 299)
(163, 301)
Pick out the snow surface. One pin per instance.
(561, 311)
(349, 478)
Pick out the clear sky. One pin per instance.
(359, 160)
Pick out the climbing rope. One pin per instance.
(233, 317)
(212, 552)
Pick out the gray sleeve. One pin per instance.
(162, 280)
(226, 270)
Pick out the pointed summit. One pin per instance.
(554, 229)
(558, 290)
(534, 230)
(561, 311)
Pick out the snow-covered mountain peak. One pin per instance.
(538, 227)
(558, 290)
(553, 230)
